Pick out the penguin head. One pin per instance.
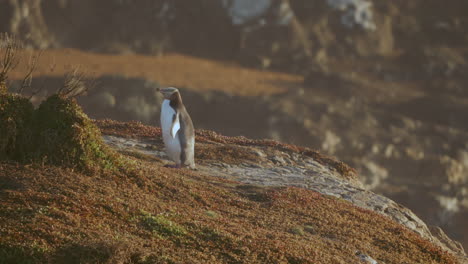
(168, 92)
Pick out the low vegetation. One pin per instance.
(65, 136)
(50, 214)
(160, 225)
(65, 197)
(56, 214)
(58, 132)
(15, 119)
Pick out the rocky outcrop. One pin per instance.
(284, 34)
(25, 18)
(384, 81)
(74, 189)
(260, 163)
(150, 27)
(294, 36)
(393, 150)
(238, 206)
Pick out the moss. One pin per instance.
(297, 230)
(15, 117)
(160, 225)
(212, 214)
(65, 136)
(57, 133)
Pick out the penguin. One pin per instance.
(177, 129)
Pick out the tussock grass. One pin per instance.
(57, 133)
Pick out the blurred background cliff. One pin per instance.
(382, 85)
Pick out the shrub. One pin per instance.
(15, 117)
(65, 136)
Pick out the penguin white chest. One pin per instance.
(170, 131)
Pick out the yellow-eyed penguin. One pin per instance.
(177, 129)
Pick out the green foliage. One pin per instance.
(57, 133)
(162, 226)
(211, 214)
(297, 230)
(15, 118)
(66, 136)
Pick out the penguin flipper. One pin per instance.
(175, 125)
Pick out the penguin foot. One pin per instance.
(178, 166)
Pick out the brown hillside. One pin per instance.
(161, 215)
(169, 70)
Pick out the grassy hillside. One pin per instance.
(68, 198)
(161, 215)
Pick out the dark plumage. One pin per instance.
(177, 127)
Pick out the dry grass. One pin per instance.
(50, 214)
(169, 70)
(155, 214)
(160, 215)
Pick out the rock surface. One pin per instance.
(290, 35)
(382, 128)
(133, 209)
(384, 82)
(282, 168)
